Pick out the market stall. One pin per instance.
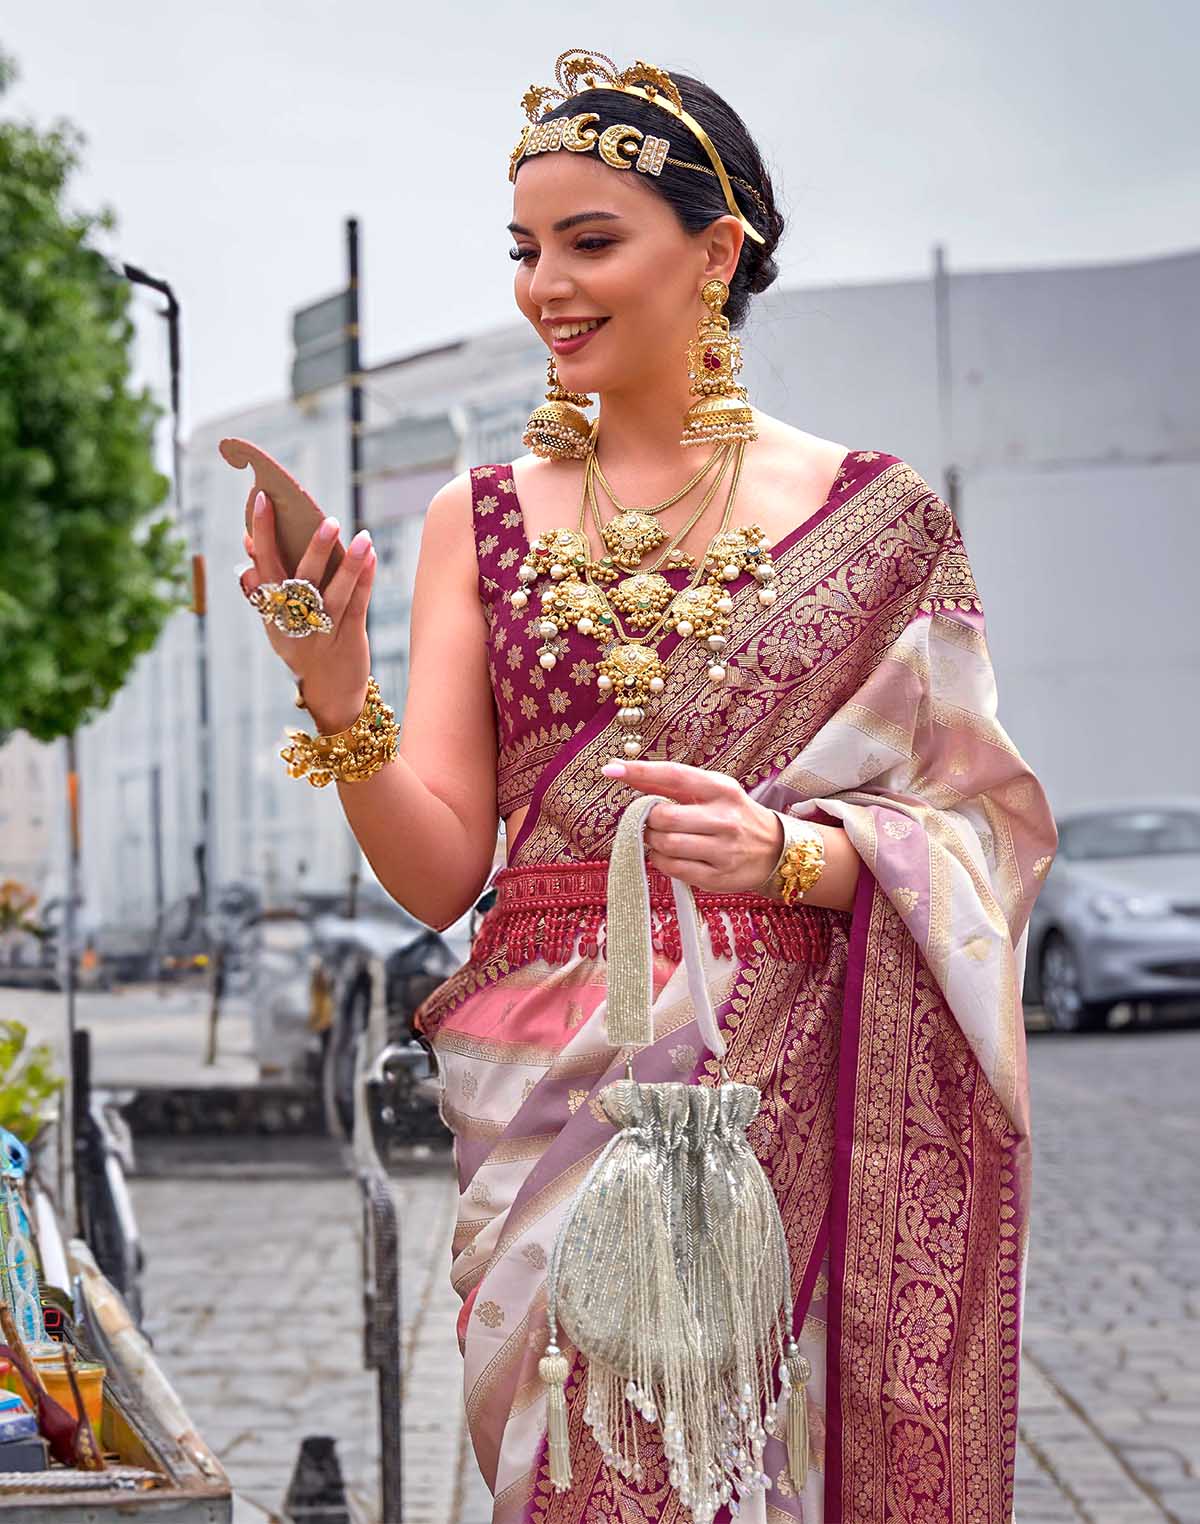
(90, 1427)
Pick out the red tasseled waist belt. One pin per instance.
(547, 910)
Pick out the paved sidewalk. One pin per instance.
(143, 1035)
(254, 1302)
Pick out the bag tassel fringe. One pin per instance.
(686, 1316)
(794, 1376)
(553, 1369)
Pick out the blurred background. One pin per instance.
(991, 269)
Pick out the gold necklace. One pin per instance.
(630, 672)
(672, 551)
(668, 502)
(643, 596)
(633, 532)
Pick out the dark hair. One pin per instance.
(696, 197)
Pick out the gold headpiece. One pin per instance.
(621, 146)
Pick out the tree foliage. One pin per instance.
(28, 1082)
(16, 908)
(88, 572)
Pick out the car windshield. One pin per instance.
(1132, 833)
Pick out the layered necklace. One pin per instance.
(630, 671)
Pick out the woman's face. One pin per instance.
(595, 247)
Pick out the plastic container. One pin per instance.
(53, 1371)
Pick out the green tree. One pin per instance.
(88, 572)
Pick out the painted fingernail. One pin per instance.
(260, 504)
(360, 542)
(613, 769)
(328, 529)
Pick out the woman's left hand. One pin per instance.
(712, 835)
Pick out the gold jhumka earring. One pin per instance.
(722, 414)
(557, 430)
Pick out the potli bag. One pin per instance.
(670, 1270)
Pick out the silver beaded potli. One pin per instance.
(670, 1270)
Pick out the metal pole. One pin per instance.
(67, 1203)
(356, 475)
(156, 852)
(356, 390)
(204, 851)
(945, 381)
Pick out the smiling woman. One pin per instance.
(780, 639)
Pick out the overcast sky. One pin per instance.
(232, 139)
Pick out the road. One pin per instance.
(1110, 1409)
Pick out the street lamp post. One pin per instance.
(205, 856)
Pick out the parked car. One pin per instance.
(1118, 918)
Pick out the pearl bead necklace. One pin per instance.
(630, 671)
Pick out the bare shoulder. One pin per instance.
(450, 506)
(806, 461)
(537, 479)
(448, 533)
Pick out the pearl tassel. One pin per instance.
(553, 1368)
(796, 1371)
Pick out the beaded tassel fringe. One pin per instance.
(670, 1273)
(794, 1375)
(553, 1368)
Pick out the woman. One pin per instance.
(846, 694)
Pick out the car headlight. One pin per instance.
(1130, 907)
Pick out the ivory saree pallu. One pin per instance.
(888, 1042)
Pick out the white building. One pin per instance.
(28, 791)
(1062, 401)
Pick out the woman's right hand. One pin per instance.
(331, 669)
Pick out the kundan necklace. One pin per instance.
(630, 671)
(644, 595)
(634, 532)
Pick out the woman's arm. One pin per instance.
(428, 822)
(836, 887)
(713, 836)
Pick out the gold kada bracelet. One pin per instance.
(801, 862)
(352, 755)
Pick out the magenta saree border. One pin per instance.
(864, 899)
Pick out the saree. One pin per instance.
(887, 1041)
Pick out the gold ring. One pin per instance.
(294, 606)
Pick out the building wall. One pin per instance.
(1064, 399)
(29, 795)
(1071, 420)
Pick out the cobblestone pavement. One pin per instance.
(1110, 1401)
(254, 1304)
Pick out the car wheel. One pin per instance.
(1062, 990)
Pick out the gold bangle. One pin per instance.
(353, 754)
(801, 861)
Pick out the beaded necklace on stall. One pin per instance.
(630, 671)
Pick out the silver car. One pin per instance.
(1118, 918)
